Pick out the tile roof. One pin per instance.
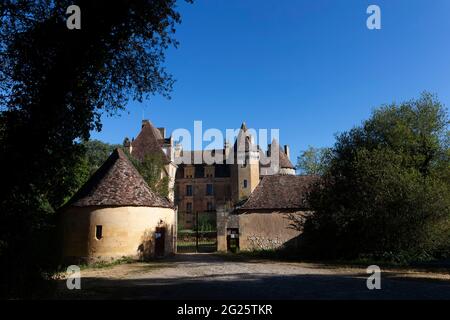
(278, 192)
(148, 141)
(284, 161)
(117, 183)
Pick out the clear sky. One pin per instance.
(308, 67)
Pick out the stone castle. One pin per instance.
(198, 187)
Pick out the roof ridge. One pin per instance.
(118, 183)
(148, 141)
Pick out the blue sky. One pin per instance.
(310, 68)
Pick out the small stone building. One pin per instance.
(116, 214)
(270, 218)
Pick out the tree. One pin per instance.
(386, 192)
(97, 152)
(151, 168)
(313, 161)
(54, 85)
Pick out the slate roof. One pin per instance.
(148, 141)
(278, 192)
(117, 183)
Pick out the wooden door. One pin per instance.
(160, 235)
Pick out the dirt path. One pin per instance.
(207, 276)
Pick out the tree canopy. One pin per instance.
(151, 168)
(313, 161)
(55, 83)
(386, 190)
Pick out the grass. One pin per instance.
(107, 264)
(193, 243)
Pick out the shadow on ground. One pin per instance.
(248, 285)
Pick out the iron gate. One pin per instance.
(202, 238)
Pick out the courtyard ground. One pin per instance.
(211, 276)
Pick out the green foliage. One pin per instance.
(108, 264)
(55, 83)
(313, 161)
(151, 169)
(97, 152)
(206, 222)
(92, 154)
(386, 191)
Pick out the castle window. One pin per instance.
(98, 232)
(189, 172)
(209, 172)
(209, 206)
(245, 183)
(209, 189)
(189, 207)
(189, 190)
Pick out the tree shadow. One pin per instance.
(256, 286)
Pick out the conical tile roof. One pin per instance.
(118, 183)
(283, 160)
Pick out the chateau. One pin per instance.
(202, 186)
(253, 195)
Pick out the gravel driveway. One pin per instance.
(209, 276)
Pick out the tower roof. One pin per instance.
(283, 159)
(148, 141)
(117, 183)
(243, 140)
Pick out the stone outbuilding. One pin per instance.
(116, 214)
(271, 217)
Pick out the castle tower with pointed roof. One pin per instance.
(245, 170)
(201, 187)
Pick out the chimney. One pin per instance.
(178, 151)
(287, 151)
(163, 132)
(226, 147)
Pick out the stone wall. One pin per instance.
(199, 199)
(224, 220)
(258, 230)
(263, 231)
(127, 232)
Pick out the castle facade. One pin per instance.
(198, 187)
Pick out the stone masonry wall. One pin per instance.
(264, 231)
(257, 230)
